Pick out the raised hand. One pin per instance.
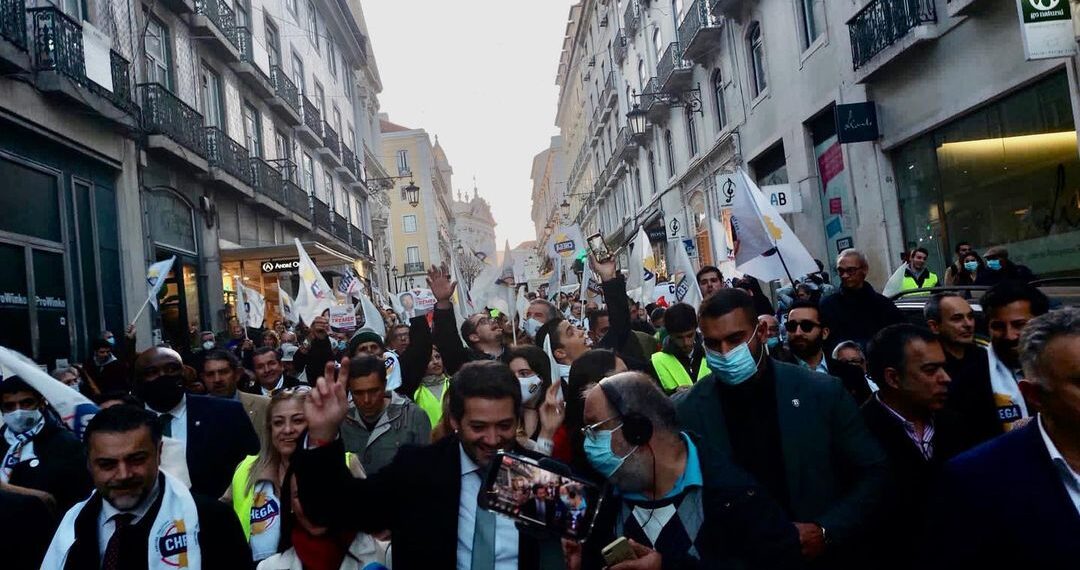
(606, 270)
(442, 288)
(326, 404)
(551, 412)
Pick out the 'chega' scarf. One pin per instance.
(19, 443)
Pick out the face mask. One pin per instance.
(598, 451)
(772, 342)
(734, 367)
(563, 370)
(971, 265)
(530, 388)
(111, 340)
(162, 393)
(21, 421)
(993, 264)
(531, 326)
(208, 345)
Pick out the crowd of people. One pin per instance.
(826, 431)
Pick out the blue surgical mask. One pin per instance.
(993, 264)
(111, 340)
(772, 342)
(733, 367)
(971, 265)
(531, 326)
(598, 451)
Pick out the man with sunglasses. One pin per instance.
(857, 312)
(806, 341)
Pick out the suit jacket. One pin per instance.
(416, 498)
(59, 468)
(1003, 505)
(554, 510)
(971, 395)
(911, 482)
(221, 540)
(255, 405)
(25, 529)
(835, 471)
(219, 437)
(414, 359)
(255, 388)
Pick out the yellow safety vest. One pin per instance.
(909, 283)
(243, 496)
(673, 374)
(429, 403)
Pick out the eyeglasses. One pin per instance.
(295, 390)
(806, 326)
(854, 362)
(847, 270)
(591, 431)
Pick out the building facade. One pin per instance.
(420, 234)
(756, 84)
(548, 189)
(474, 226)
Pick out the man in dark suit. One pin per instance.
(543, 508)
(909, 419)
(856, 312)
(806, 340)
(25, 530)
(269, 374)
(798, 433)
(1014, 502)
(216, 432)
(117, 527)
(427, 497)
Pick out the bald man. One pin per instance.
(215, 432)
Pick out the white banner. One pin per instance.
(1047, 29)
(315, 295)
(565, 243)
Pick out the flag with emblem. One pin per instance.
(683, 278)
(315, 295)
(642, 268)
(254, 305)
(506, 270)
(285, 305)
(155, 278)
(349, 285)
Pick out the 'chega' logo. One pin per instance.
(172, 544)
(681, 288)
(264, 513)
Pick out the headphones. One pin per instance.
(637, 429)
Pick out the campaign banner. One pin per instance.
(343, 317)
(565, 243)
(415, 302)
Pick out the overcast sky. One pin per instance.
(481, 75)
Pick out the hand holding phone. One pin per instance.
(598, 248)
(618, 551)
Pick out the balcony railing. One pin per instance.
(699, 30)
(224, 153)
(621, 46)
(297, 200)
(648, 97)
(632, 18)
(223, 17)
(414, 267)
(247, 51)
(349, 159)
(320, 215)
(58, 47)
(610, 94)
(13, 22)
(330, 139)
(267, 180)
(341, 227)
(312, 117)
(356, 238)
(165, 114)
(285, 88)
(882, 23)
(671, 63)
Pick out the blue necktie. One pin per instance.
(483, 550)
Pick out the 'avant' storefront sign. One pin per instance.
(1047, 28)
(280, 265)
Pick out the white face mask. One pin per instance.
(530, 326)
(21, 421)
(208, 344)
(530, 388)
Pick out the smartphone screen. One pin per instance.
(599, 247)
(520, 488)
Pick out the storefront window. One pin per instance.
(1007, 174)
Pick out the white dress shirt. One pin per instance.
(278, 386)
(178, 425)
(107, 526)
(1069, 477)
(506, 534)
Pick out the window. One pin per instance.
(412, 254)
(691, 130)
(210, 101)
(718, 96)
(346, 80)
(408, 224)
(652, 173)
(282, 150)
(637, 187)
(309, 174)
(320, 98)
(273, 44)
(313, 25)
(331, 56)
(669, 148)
(811, 18)
(402, 162)
(298, 73)
(756, 49)
(157, 50)
(328, 186)
(352, 137)
(337, 122)
(658, 43)
(242, 19)
(642, 80)
(252, 131)
(676, 12)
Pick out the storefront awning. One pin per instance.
(322, 255)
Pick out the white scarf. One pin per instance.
(20, 448)
(173, 537)
(1007, 398)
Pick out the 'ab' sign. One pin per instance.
(784, 198)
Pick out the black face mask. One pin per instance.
(162, 393)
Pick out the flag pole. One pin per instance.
(513, 311)
(141, 309)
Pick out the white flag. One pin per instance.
(586, 276)
(315, 295)
(556, 278)
(522, 303)
(683, 278)
(285, 306)
(155, 278)
(372, 318)
(254, 306)
(506, 270)
(764, 237)
(565, 243)
(241, 302)
(74, 408)
(642, 268)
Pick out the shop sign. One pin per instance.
(1046, 26)
(657, 234)
(280, 265)
(857, 122)
(784, 198)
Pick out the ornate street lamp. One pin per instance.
(636, 117)
(565, 207)
(412, 194)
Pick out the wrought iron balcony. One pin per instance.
(311, 128)
(228, 155)
(267, 180)
(248, 68)
(330, 141)
(13, 22)
(286, 97)
(621, 46)
(672, 71)
(700, 32)
(297, 200)
(632, 18)
(882, 23)
(165, 114)
(356, 238)
(626, 146)
(348, 160)
(222, 21)
(58, 48)
(321, 216)
(611, 94)
(413, 268)
(341, 227)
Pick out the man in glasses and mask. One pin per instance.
(797, 432)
